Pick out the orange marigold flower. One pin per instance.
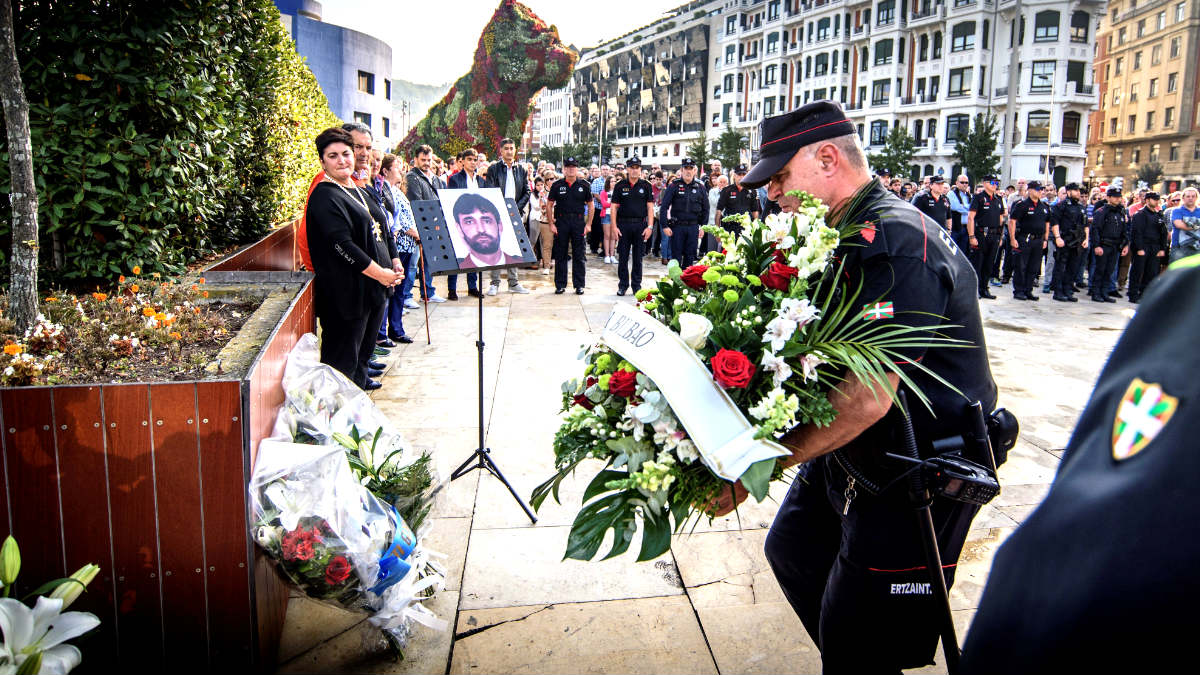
(169, 320)
(156, 275)
(137, 269)
(12, 349)
(100, 297)
(195, 310)
(121, 279)
(175, 334)
(134, 288)
(206, 294)
(51, 299)
(159, 316)
(201, 280)
(195, 287)
(147, 311)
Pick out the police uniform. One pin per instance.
(1029, 218)
(845, 549)
(634, 201)
(1088, 582)
(988, 235)
(1149, 235)
(1070, 217)
(570, 206)
(937, 208)
(736, 200)
(688, 205)
(1109, 233)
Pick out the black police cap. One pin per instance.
(1034, 185)
(570, 161)
(1072, 186)
(783, 135)
(884, 172)
(990, 179)
(1114, 192)
(633, 161)
(937, 179)
(1153, 195)
(740, 169)
(687, 163)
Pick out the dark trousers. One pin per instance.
(859, 581)
(393, 318)
(1066, 266)
(1142, 271)
(472, 281)
(1005, 272)
(1027, 261)
(570, 233)
(1106, 264)
(960, 239)
(630, 249)
(684, 239)
(347, 344)
(595, 237)
(984, 257)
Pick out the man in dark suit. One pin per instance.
(465, 179)
(513, 181)
(420, 183)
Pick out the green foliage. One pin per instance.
(161, 131)
(896, 154)
(1150, 173)
(976, 148)
(730, 144)
(584, 153)
(699, 151)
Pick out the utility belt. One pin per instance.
(683, 223)
(1028, 234)
(631, 221)
(568, 216)
(987, 231)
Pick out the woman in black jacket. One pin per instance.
(352, 253)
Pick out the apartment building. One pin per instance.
(552, 110)
(929, 65)
(1149, 55)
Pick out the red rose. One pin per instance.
(583, 400)
(778, 276)
(731, 369)
(693, 277)
(780, 257)
(298, 545)
(622, 383)
(337, 570)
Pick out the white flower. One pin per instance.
(799, 310)
(778, 332)
(787, 242)
(778, 226)
(43, 629)
(779, 369)
(809, 363)
(8, 372)
(694, 329)
(686, 451)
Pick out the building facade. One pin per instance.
(645, 93)
(929, 66)
(353, 68)
(553, 115)
(1147, 68)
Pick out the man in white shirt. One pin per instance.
(513, 180)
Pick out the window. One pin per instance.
(885, 13)
(1196, 150)
(1116, 96)
(931, 127)
(918, 127)
(1180, 11)
(933, 88)
(1045, 26)
(1043, 77)
(1120, 64)
(1131, 127)
(1135, 157)
(366, 82)
(729, 54)
(387, 88)
(1172, 82)
(962, 36)
(1174, 153)
(987, 30)
(1169, 118)
(863, 60)
(900, 52)
(1161, 20)
(362, 118)
(883, 52)
(773, 11)
(1121, 36)
(822, 65)
(1141, 28)
(1154, 151)
(1175, 47)
(1117, 156)
(731, 25)
(1137, 61)
(937, 44)
(822, 29)
(729, 82)
(1133, 91)
(1156, 55)
(1100, 158)
(1079, 27)
(960, 82)
(770, 75)
(1153, 88)
(879, 131)
(1037, 127)
(1070, 127)
(387, 127)
(880, 92)
(769, 106)
(924, 49)
(1150, 121)
(1075, 70)
(956, 125)
(772, 43)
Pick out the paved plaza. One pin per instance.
(709, 605)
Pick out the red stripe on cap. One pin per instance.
(800, 133)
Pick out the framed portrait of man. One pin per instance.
(481, 229)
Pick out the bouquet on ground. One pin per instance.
(691, 389)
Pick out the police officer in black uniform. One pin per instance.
(736, 199)
(686, 200)
(1149, 242)
(1087, 583)
(845, 548)
(633, 212)
(1109, 240)
(1028, 231)
(1068, 226)
(570, 217)
(984, 232)
(934, 203)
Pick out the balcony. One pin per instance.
(860, 32)
(1001, 92)
(849, 107)
(750, 58)
(918, 99)
(927, 16)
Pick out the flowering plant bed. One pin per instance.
(146, 328)
(765, 328)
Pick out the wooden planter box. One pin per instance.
(150, 481)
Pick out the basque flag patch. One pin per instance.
(878, 310)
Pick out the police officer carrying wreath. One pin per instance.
(1068, 221)
(686, 200)
(633, 212)
(1028, 230)
(984, 232)
(736, 199)
(1109, 238)
(846, 551)
(570, 217)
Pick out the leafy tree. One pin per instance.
(897, 152)
(730, 144)
(976, 148)
(699, 151)
(1150, 173)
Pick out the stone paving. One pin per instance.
(709, 605)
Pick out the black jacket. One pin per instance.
(498, 176)
(1150, 232)
(419, 187)
(342, 243)
(1071, 217)
(1109, 226)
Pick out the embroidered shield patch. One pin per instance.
(1143, 412)
(879, 310)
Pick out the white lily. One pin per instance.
(779, 369)
(694, 329)
(43, 629)
(778, 331)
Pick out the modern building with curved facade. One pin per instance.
(353, 68)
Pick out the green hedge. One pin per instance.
(162, 131)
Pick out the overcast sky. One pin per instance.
(432, 48)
